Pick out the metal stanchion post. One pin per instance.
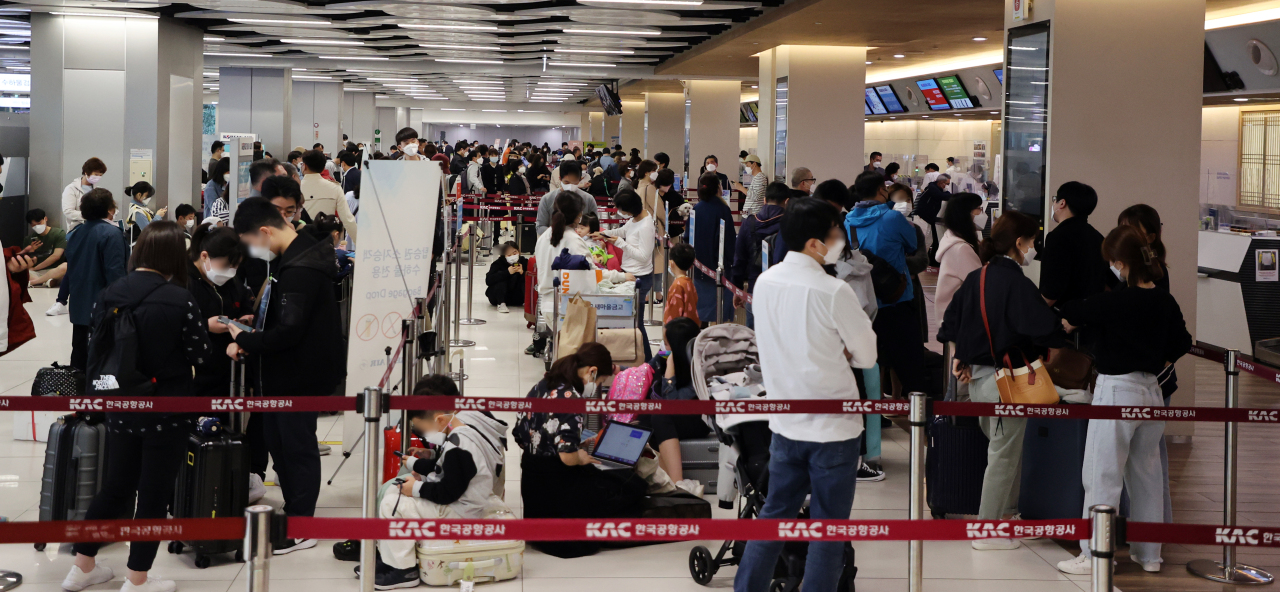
(257, 546)
(1102, 546)
(408, 375)
(720, 278)
(442, 315)
(372, 464)
(471, 278)
(555, 319)
(915, 551)
(457, 296)
(1228, 571)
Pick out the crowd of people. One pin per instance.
(835, 299)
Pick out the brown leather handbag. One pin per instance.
(1071, 368)
(1029, 385)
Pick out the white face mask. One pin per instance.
(1029, 256)
(436, 438)
(653, 176)
(711, 168)
(40, 228)
(903, 207)
(191, 223)
(513, 259)
(833, 252)
(410, 149)
(625, 216)
(813, 188)
(980, 221)
(493, 159)
(218, 276)
(569, 187)
(147, 201)
(1117, 272)
(261, 252)
(589, 388)
(521, 170)
(94, 179)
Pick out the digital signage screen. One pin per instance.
(866, 109)
(890, 99)
(955, 92)
(999, 74)
(933, 95)
(877, 107)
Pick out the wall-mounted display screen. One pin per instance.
(866, 109)
(955, 92)
(877, 107)
(749, 113)
(933, 95)
(999, 74)
(890, 99)
(1026, 119)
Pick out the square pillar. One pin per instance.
(824, 126)
(664, 113)
(612, 130)
(713, 123)
(258, 101)
(357, 117)
(317, 115)
(632, 134)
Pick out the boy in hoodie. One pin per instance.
(298, 340)
(763, 225)
(460, 478)
(875, 226)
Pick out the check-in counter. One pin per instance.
(1236, 305)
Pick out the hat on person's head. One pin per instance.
(752, 158)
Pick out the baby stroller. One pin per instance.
(726, 366)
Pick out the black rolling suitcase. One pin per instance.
(526, 237)
(700, 460)
(955, 462)
(1052, 463)
(74, 465)
(213, 482)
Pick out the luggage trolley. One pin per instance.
(613, 311)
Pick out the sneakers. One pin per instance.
(1148, 566)
(393, 578)
(291, 545)
(77, 580)
(324, 449)
(151, 585)
(867, 473)
(58, 308)
(1080, 565)
(502, 308)
(256, 489)
(996, 545)
(692, 486)
(348, 550)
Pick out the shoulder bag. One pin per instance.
(1029, 385)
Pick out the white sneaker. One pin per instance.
(151, 585)
(77, 580)
(256, 489)
(1148, 566)
(995, 544)
(1080, 565)
(502, 308)
(291, 545)
(58, 308)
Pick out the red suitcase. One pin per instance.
(531, 292)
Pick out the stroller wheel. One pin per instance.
(702, 566)
(778, 585)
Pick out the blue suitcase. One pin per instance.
(1052, 463)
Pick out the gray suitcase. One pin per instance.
(74, 464)
(701, 461)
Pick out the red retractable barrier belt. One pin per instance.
(649, 407)
(1244, 363)
(1202, 534)
(1068, 411)
(110, 531)
(724, 280)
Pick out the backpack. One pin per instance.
(112, 369)
(888, 283)
(757, 250)
(632, 384)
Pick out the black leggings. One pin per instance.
(674, 427)
(142, 464)
(80, 346)
(898, 345)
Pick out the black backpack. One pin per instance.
(757, 250)
(887, 282)
(113, 356)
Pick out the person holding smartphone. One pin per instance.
(506, 279)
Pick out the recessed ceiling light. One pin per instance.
(451, 109)
(462, 61)
(461, 47)
(207, 38)
(898, 55)
(479, 81)
(582, 64)
(353, 58)
(452, 27)
(893, 118)
(868, 63)
(491, 88)
(979, 38)
(995, 111)
(610, 51)
(392, 79)
(313, 78)
(494, 110)
(277, 21)
(106, 14)
(240, 55)
(755, 86)
(610, 31)
(322, 41)
(1241, 100)
(561, 83)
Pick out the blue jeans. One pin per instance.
(828, 470)
(643, 284)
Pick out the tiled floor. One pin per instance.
(498, 368)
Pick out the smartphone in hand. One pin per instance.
(230, 321)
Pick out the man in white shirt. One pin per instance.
(811, 332)
(322, 195)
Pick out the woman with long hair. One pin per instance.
(704, 235)
(958, 249)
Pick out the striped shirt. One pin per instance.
(755, 194)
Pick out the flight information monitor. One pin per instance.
(955, 92)
(890, 99)
(877, 106)
(933, 95)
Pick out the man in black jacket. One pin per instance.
(929, 205)
(1072, 266)
(299, 341)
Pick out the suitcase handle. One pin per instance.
(486, 564)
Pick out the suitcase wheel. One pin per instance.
(202, 561)
(175, 547)
(702, 566)
(239, 555)
(39, 546)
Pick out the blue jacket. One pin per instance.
(887, 234)
(754, 228)
(707, 217)
(96, 258)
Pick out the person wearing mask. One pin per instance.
(185, 216)
(645, 183)
(682, 297)
(935, 194)
(670, 201)
(802, 182)
(458, 165)
(295, 158)
(673, 381)
(1071, 266)
(321, 196)
(489, 171)
(539, 176)
(96, 258)
(755, 199)
(505, 279)
(46, 245)
(459, 480)
(664, 161)
(406, 146)
(711, 164)
(704, 234)
(516, 183)
(625, 178)
(145, 450)
(636, 239)
(562, 235)
(952, 168)
(298, 340)
(1021, 327)
(570, 175)
(873, 225)
(350, 175)
(958, 252)
(140, 213)
(91, 173)
(217, 150)
(556, 476)
(811, 332)
(212, 261)
(1140, 333)
(216, 187)
(873, 165)
(475, 166)
(748, 253)
(570, 159)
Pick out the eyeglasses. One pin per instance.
(808, 180)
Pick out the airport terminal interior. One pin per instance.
(1153, 114)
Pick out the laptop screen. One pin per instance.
(622, 443)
